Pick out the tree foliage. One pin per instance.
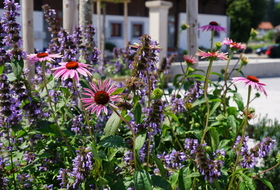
(244, 15)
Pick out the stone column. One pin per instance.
(99, 24)
(192, 20)
(125, 23)
(70, 15)
(28, 33)
(85, 13)
(158, 27)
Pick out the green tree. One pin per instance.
(240, 13)
(244, 15)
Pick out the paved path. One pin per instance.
(263, 105)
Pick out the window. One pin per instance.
(116, 29)
(137, 30)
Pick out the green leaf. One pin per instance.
(117, 91)
(194, 174)
(175, 80)
(45, 155)
(158, 181)
(11, 77)
(232, 123)
(267, 183)
(2, 69)
(112, 125)
(249, 184)
(184, 182)
(140, 140)
(201, 100)
(137, 113)
(21, 133)
(223, 144)
(174, 117)
(242, 186)
(45, 128)
(142, 180)
(17, 67)
(84, 83)
(215, 140)
(238, 100)
(118, 185)
(196, 76)
(214, 106)
(160, 166)
(113, 141)
(174, 179)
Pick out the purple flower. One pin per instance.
(154, 117)
(210, 169)
(82, 166)
(251, 156)
(212, 26)
(12, 29)
(177, 104)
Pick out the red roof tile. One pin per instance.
(265, 26)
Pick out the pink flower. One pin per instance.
(71, 70)
(190, 59)
(100, 96)
(212, 26)
(212, 55)
(41, 57)
(233, 45)
(250, 81)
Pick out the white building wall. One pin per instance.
(39, 34)
(118, 41)
(203, 37)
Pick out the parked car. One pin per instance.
(263, 50)
(247, 50)
(273, 51)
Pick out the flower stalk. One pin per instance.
(244, 123)
(52, 109)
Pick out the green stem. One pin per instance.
(133, 135)
(84, 110)
(212, 40)
(242, 139)
(52, 109)
(276, 165)
(239, 69)
(149, 104)
(12, 164)
(206, 88)
(183, 79)
(225, 80)
(93, 144)
(206, 99)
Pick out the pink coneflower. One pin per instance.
(32, 58)
(250, 81)
(212, 55)
(212, 26)
(71, 70)
(233, 45)
(190, 59)
(100, 96)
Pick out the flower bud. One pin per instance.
(157, 93)
(218, 45)
(244, 60)
(253, 33)
(185, 52)
(184, 26)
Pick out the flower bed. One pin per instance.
(72, 127)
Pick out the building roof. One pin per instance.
(265, 26)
